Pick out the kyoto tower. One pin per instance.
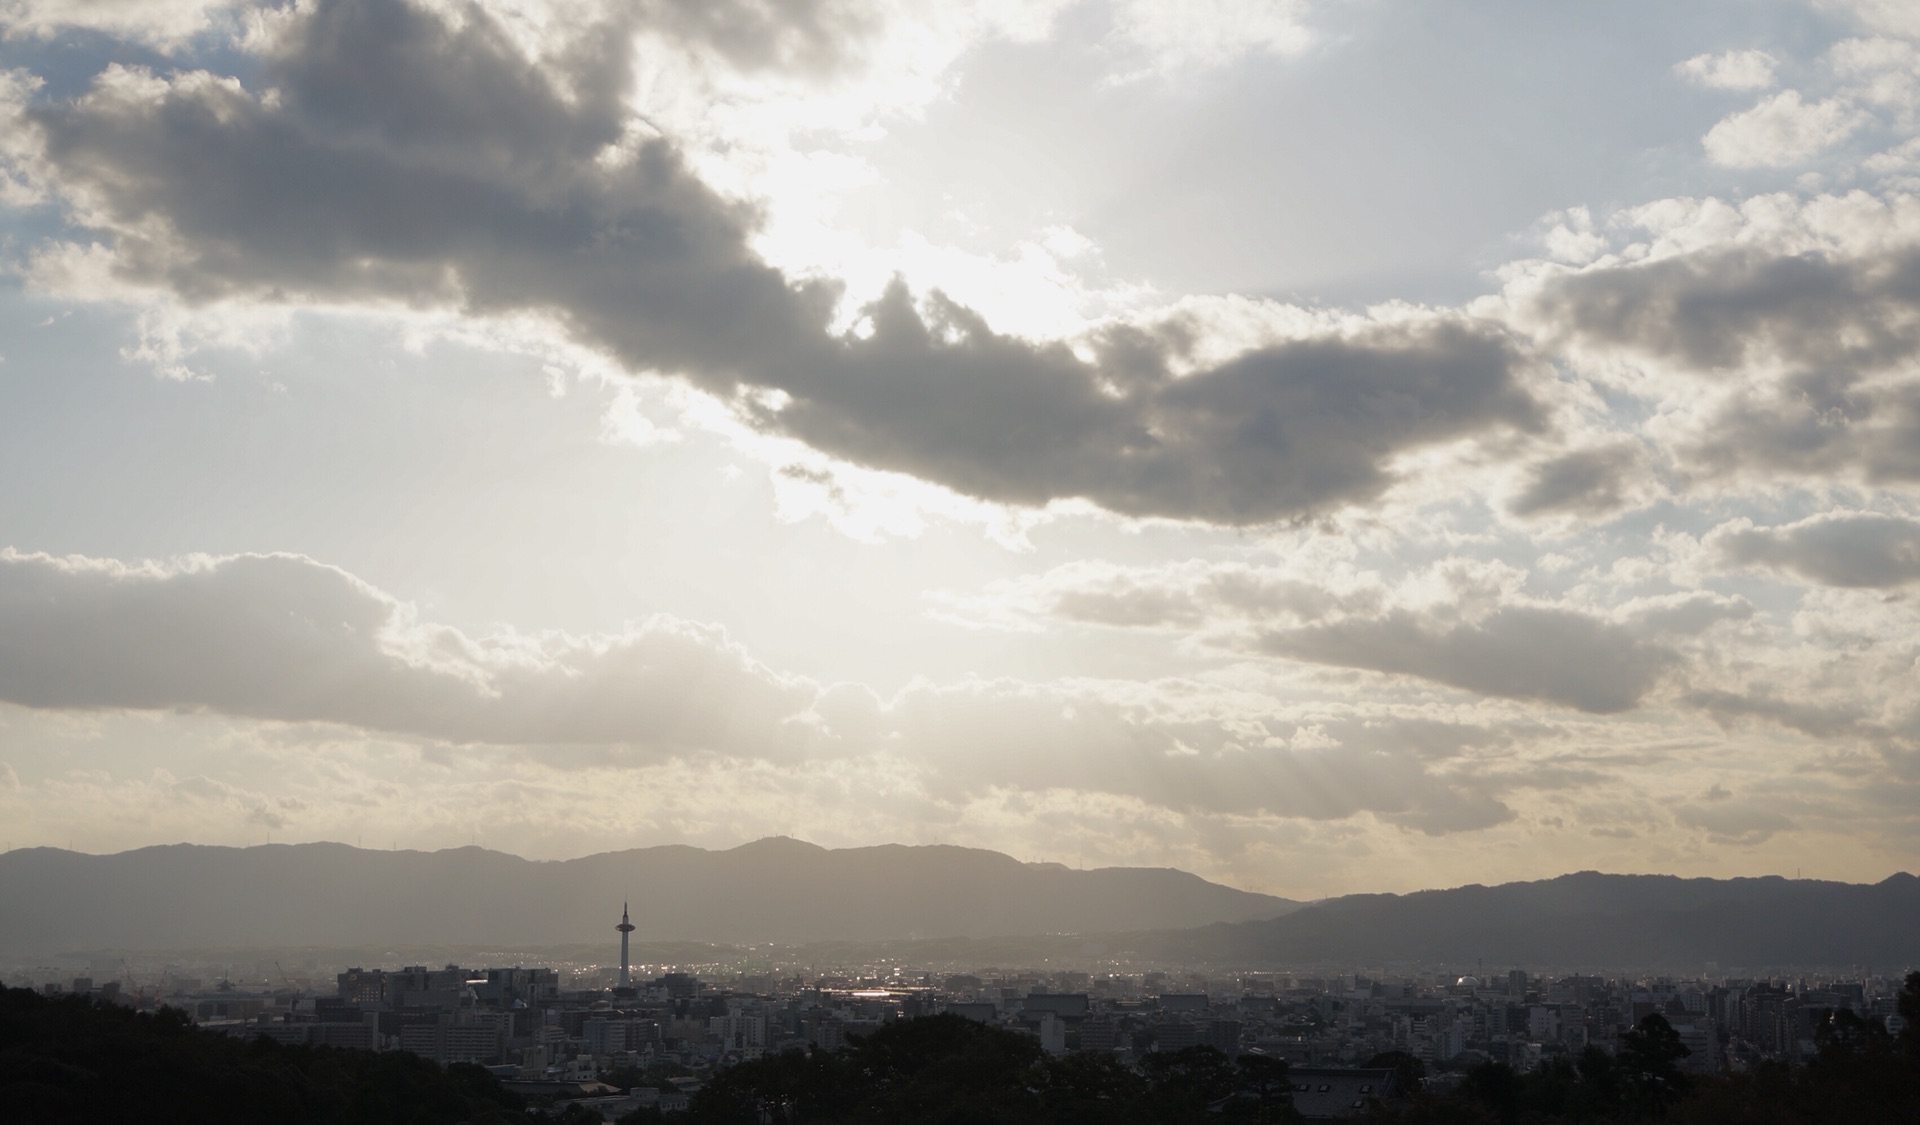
(625, 927)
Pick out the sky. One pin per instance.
(1325, 445)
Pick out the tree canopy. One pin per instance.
(944, 1070)
(74, 1059)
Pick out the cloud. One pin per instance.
(1856, 549)
(1739, 823)
(1821, 426)
(282, 637)
(1180, 34)
(1895, 17)
(1592, 482)
(1292, 428)
(1403, 770)
(1799, 319)
(1724, 307)
(808, 37)
(1899, 166)
(1520, 652)
(1179, 596)
(1458, 622)
(1729, 70)
(1762, 702)
(1882, 73)
(159, 23)
(795, 35)
(1782, 130)
(390, 156)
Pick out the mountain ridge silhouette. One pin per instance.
(775, 889)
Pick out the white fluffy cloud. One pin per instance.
(1895, 17)
(1781, 131)
(1730, 70)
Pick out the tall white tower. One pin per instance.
(625, 927)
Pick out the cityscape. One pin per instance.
(563, 1036)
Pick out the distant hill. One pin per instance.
(1585, 920)
(775, 890)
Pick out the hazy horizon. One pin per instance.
(1324, 446)
(1360, 891)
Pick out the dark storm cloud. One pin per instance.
(1586, 482)
(1519, 652)
(389, 155)
(1857, 549)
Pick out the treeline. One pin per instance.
(944, 1070)
(1859, 1075)
(81, 1061)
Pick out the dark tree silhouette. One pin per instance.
(1408, 1071)
(73, 1059)
(1649, 1066)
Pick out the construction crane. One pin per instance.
(133, 986)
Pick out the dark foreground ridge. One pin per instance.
(775, 890)
(78, 1060)
(82, 1061)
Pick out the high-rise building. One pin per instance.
(604, 1036)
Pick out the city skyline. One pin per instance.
(1326, 446)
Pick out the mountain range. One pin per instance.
(1584, 920)
(932, 904)
(775, 890)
